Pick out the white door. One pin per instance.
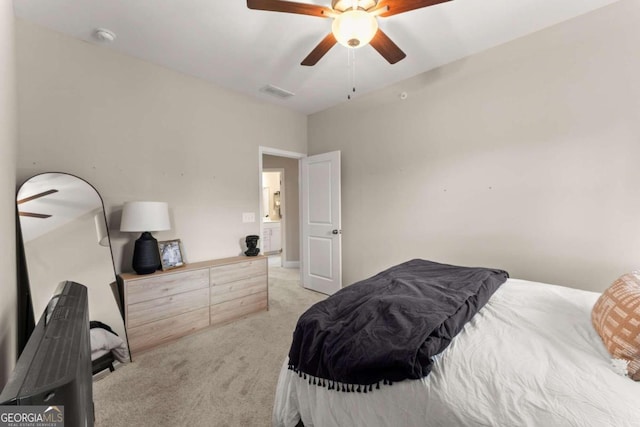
(321, 251)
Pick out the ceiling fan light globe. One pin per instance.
(354, 28)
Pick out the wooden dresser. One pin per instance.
(166, 305)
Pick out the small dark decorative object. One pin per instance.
(252, 243)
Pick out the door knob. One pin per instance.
(336, 232)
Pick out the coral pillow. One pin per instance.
(616, 318)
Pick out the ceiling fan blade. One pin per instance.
(290, 7)
(400, 6)
(36, 196)
(387, 48)
(319, 51)
(34, 215)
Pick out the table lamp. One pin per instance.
(145, 217)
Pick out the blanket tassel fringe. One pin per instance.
(337, 386)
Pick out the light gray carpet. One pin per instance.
(223, 376)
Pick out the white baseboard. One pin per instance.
(291, 264)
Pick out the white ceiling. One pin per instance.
(243, 50)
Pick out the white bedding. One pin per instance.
(530, 357)
(103, 342)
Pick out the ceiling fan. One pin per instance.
(35, 196)
(354, 25)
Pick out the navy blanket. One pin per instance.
(388, 327)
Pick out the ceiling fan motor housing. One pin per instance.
(342, 5)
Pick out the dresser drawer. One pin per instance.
(238, 271)
(153, 334)
(162, 286)
(225, 311)
(161, 308)
(238, 289)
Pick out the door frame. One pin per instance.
(292, 155)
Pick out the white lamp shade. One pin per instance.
(145, 216)
(354, 28)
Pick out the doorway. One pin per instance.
(273, 207)
(279, 207)
(317, 199)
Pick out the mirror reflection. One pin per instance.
(65, 237)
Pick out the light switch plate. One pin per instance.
(248, 217)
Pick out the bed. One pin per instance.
(529, 357)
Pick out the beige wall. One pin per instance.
(8, 141)
(138, 131)
(291, 213)
(523, 157)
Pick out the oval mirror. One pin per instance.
(64, 236)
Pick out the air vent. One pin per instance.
(276, 91)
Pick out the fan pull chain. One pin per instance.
(351, 63)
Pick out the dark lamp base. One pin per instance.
(146, 258)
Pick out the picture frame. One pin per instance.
(170, 254)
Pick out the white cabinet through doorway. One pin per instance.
(272, 238)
